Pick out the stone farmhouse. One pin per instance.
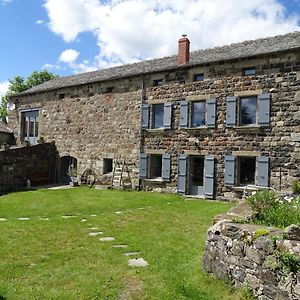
(204, 123)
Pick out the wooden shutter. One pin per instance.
(182, 160)
(209, 163)
(143, 165)
(184, 113)
(262, 171)
(211, 112)
(145, 116)
(167, 115)
(229, 170)
(264, 109)
(166, 166)
(231, 111)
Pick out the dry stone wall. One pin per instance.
(237, 252)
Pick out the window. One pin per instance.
(61, 96)
(107, 165)
(158, 82)
(249, 71)
(246, 170)
(155, 166)
(248, 111)
(198, 77)
(198, 114)
(158, 116)
(109, 89)
(30, 126)
(198, 117)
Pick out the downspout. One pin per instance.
(141, 146)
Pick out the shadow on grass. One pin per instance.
(2, 298)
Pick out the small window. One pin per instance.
(107, 165)
(155, 167)
(158, 116)
(248, 111)
(61, 96)
(198, 77)
(109, 89)
(158, 82)
(246, 170)
(249, 71)
(198, 114)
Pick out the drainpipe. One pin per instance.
(141, 147)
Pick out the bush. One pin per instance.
(296, 187)
(271, 210)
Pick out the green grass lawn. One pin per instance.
(56, 259)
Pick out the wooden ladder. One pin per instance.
(120, 167)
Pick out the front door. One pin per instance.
(196, 177)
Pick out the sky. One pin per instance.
(68, 37)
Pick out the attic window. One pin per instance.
(249, 71)
(158, 82)
(61, 96)
(109, 89)
(198, 77)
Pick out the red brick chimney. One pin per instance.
(183, 50)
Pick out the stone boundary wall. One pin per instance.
(36, 163)
(249, 255)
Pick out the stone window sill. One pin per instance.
(197, 128)
(154, 130)
(248, 128)
(156, 180)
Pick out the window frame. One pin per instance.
(153, 115)
(151, 158)
(191, 114)
(25, 132)
(195, 77)
(238, 170)
(251, 70)
(105, 160)
(158, 82)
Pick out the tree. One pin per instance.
(19, 84)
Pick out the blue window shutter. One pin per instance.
(231, 111)
(209, 163)
(264, 109)
(211, 112)
(145, 116)
(184, 113)
(182, 160)
(262, 171)
(168, 115)
(166, 166)
(229, 170)
(143, 165)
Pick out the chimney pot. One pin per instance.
(183, 50)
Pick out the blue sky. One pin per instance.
(74, 36)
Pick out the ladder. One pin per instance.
(119, 181)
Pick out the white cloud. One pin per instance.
(69, 56)
(39, 22)
(133, 30)
(5, 1)
(3, 88)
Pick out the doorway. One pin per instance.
(196, 175)
(68, 166)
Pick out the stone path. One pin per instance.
(23, 219)
(95, 233)
(107, 239)
(120, 246)
(3, 219)
(131, 253)
(68, 217)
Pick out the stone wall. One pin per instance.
(249, 255)
(37, 163)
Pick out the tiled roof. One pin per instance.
(239, 50)
(4, 128)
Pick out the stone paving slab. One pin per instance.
(68, 216)
(3, 219)
(107, 239)
(23, 219)
(120, 246)
(137, 262)
(95, 233)
(131, 253)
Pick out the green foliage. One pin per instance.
(288, 261)
(19, 84)
(260, 232)
(296, 187)
(271, 210)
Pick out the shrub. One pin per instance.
(296, 187)
(271, 210)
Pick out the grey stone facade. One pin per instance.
(98, 115)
